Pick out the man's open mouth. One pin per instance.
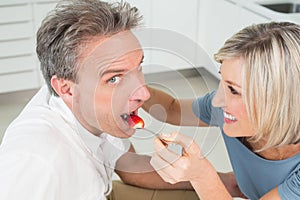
(133, 120)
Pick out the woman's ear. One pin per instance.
(62, 87)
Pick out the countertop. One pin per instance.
(254, 6)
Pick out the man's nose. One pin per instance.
(219, 98)
(141, 93)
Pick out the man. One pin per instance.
(71, 136)
(65, 143)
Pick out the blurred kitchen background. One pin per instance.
(179, 40)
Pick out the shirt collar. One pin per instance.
(90, 140)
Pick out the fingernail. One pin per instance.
(166, 135)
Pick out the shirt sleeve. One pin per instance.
(290, 188)
(203, 109)
(26, 177)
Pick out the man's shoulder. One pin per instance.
(38, 131)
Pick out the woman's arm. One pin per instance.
(135, 169)
(272, 195)
(166, 108)
(190, 166)
(208, 185)
(142, 174)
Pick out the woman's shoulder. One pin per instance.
(289, 189)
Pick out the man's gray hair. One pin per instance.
(71, 25)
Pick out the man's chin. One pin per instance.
(122, 133)
(128, 133)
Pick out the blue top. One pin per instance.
(255, 175)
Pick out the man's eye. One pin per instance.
(114, 80)
(232, 90)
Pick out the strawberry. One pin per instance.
(135, 121)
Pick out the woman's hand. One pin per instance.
(174, 168)
(190, 166)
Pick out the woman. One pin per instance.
(257, 109)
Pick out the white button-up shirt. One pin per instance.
(46, 154)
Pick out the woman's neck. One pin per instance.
(280, 153)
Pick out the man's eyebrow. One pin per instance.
(115, 71)
(111, 71)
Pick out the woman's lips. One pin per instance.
(228, 119)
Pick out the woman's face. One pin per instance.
(229, 97)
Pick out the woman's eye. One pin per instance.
(232, 90)
(114, 80)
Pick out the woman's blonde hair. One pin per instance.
(271, 79)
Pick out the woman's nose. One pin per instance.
(219, 98)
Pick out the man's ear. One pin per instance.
(62, 87)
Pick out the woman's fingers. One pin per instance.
(164, 153)
(189, 146)
(171, 166)
(162, 168)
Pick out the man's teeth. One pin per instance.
(125, 117)
(230, 117)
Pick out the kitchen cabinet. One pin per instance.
(219, 20)
(19, 20)
(175, 34)
(167, 27)
(176, 21)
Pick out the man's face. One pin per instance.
(110, 84)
